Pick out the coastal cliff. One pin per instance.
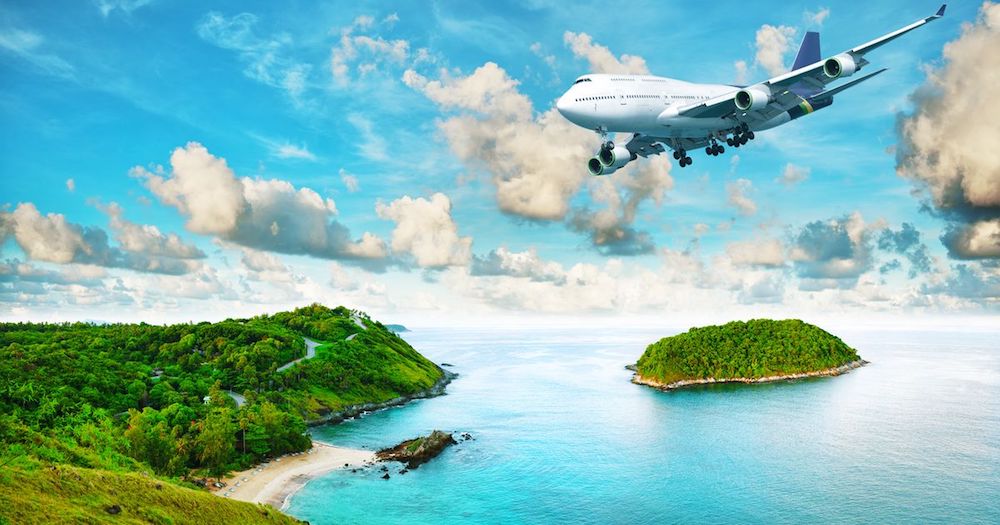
(756, 351)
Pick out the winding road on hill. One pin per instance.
(310, 353)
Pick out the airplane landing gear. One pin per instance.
(741, 135)
(682, 156)
(714, 149)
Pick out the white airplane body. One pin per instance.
(665, 113)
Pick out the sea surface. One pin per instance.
(562, 436)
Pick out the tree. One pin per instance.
(215, 440)
(150, 440)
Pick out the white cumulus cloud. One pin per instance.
(426, 230)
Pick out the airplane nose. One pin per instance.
(563, 105)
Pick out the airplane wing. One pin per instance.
(812, 75)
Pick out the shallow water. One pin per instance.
(562, 436)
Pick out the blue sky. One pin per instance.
(375, 109)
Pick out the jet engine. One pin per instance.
(755, 97)
(842, 65)
(609, 160)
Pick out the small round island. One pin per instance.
(755, 351)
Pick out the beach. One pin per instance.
(274, 482)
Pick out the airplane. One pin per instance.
(665, 113)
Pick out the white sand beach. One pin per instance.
(274, 482)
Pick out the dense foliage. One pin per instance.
(752, 349)
(139, 397)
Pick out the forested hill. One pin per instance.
(753, 349)
(163, 399)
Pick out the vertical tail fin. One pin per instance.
(808, 54)
(808, 51)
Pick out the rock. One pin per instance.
(415, 452)
(466, 436)
(114, 510)
(404, 471)
(385, 476)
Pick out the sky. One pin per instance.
(172, 161)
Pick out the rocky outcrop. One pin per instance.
(415, 452)
(842, 369)
(437, 389)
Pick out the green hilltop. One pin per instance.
(753, 349)
(186, 400)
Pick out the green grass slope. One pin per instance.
(62, 494)
(753, 349)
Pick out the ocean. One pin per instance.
(562, 436)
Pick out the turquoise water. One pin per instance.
(561, 436)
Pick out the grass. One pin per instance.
(41, 493)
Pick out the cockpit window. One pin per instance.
(581, 80)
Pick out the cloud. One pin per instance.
(537, 163)
(147, 239)
(947, 145)
(262, 214)
(740, 67)
(29, 46)
(978, 240)
(772, 43)
(498, 131)
(832, 253)
(609, 228)
(425, 229)
(14, 270)
(286, 150)
(51, 238)
(372, 146)
(125, 6)
(762, 289)
(906, 242)
(526, 264)
(793, 175)
(70, 185)
(974, 282)
(369, 52)
(817, 17)
(600, 58)
(267, 59)
(759, 252)
(350, 181)
(736, 196)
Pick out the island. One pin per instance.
(141, 421)
(755, 351)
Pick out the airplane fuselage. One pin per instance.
(637, 104)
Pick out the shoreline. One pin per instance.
(275, 482)
(836, 371)
(351, 411)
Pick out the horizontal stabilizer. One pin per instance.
(831, 92)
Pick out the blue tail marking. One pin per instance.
(808, 51)
(808, 54)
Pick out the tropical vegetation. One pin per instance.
(752, 349)
(187, 400)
